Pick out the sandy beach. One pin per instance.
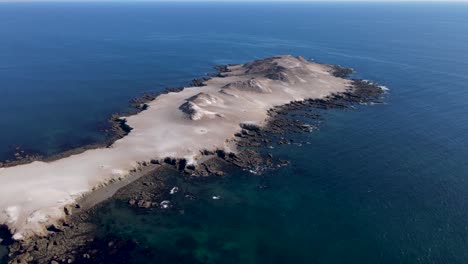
(177, 125)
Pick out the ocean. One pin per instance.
(378, 184)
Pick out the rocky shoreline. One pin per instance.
(74, 241)
(116, 128)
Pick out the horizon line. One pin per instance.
(235, 1)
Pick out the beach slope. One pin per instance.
(178, 125)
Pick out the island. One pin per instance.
(185, 128)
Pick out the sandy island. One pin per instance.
(178, 125)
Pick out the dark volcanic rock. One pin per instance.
(60, 247)
(199, 82)
(221, 69)
(341, 72)
(214, 166)
(188, 108)
(144, 191)
(74, 240)
(217, 165)
(281, 117)
(262, 66)
(278, 76)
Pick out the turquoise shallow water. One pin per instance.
(381, 184)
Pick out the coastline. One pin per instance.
(214, 163)
(117, 129)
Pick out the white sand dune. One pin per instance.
(33, 196)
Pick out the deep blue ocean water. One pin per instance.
(380, 184)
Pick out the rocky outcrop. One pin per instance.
(204, 99)
(195, 112)
(263, 66)
(73, 240)
(278, 76)
(341, 72)
(252, 85)
(193, 107)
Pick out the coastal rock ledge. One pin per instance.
(182, 125)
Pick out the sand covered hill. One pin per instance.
(178, 124)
